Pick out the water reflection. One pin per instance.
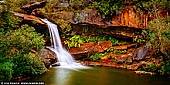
(97, 76)
(63, 76)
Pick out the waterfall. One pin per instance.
(64, 57)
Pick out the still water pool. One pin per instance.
(98, 76)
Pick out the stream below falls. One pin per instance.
(97, 76)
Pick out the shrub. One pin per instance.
(159, 35)
(6, 69)
(28, 64)
(96, 56)
(165, 68)
(75, 41)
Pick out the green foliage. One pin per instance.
(108, 7)
(6, 70)
(16, 46)
(151, 6)
(105, 38)
(139, 40)
(165, 68)
(79, 4)
(16, 43)
(21, 41)
(149, 68)
(8, 20)
(116, 60)
(65, 26)
(159, 40)
(49, 7)
(75, 41)
(14, 5)
(80, 17)
(28, 64)
(114, 51)
(96, 56)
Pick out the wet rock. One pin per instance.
(47, 53)
(141, 52)
(46, 62)
(80, 56)
(56, 64)
(47, 56)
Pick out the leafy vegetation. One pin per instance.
(77, 40)
(16, 43)
(104, 38)
(96, 56)
(114, 51)
(80, 17)
(157, 37)
(27, 64)
(159, 41)
(149, 68)
(6, 69)
(16, 40)
(108, 7)
(165, 68)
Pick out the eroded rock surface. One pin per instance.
(91, 47)
(32, 6)
(48, 56)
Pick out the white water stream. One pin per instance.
(64, 57)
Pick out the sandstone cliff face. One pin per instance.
(125, 25)
(128, 18)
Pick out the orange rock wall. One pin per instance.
(134, 19)
(130, 18)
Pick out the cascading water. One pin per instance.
(64, 57)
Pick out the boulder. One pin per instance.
(132, 54)
(141, 52)
(48, 56)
